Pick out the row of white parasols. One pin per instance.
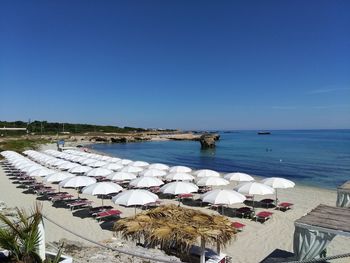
(141, 197)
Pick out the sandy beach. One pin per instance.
(252, 245)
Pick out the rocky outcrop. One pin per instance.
(216, 136)
(98, 139)
(118, 137)
(208, 140)
(119, 140)
(125, 139)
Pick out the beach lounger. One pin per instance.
(101, 179)
(58, 198)
(217, 206)
(26, 182)
(25, 178)
(35, 189)
(79, 204)
(184, 196)
(249, 197)
(35, 186)
(284, 206)
(204, 189)
(244, 212)
(263, 216)
(13, 173)
(44, 191)
(95, 210)
(123, 184)
(237, 225)
(53, 194)
(108, 214)
(152, 204)
(154, 189)
(18, 175)
(267, 203)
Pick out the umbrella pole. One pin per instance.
(102, 199)
(253, 204)
(276, 197)
(202, 258)
(135, 210)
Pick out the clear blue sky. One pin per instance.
(177, 64)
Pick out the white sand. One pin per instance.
(252, 245)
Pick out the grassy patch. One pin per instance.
(20, 145)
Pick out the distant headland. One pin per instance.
(27, 134)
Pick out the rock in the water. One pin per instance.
(119, 140)
(208, 140)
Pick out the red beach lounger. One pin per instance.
(185, 196)
(284, 206)
(95, 210)
(238, 226)
(106, 214)
(263, 216)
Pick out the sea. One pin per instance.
(319, 158)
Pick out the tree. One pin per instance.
(22, 238)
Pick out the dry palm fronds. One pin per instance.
(171, 225)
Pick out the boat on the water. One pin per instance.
(264, 133)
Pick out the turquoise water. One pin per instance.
(312, 157)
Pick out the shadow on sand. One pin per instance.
(42, 198)
(279, 255)
(193, 202)
(82, 213)
(108, 224)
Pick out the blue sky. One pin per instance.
(177, 64)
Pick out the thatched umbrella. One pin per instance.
(171, 226)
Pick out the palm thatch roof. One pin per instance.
(172, 226)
